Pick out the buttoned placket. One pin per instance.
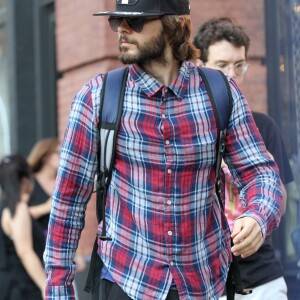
(169, 176)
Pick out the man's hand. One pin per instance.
(247, 237)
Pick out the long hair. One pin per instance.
(178, 31)
(40, 151)
(13, 169)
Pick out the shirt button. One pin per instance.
(170, 232)
(167, 142)
(169, 202)
(163, 116)
(169, 171)
(165, 90)
(171, 263)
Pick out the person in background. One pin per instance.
(22, 243)
(168, 234)
(44, 160)
(224, 46)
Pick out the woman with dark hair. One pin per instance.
(22, 243)
(43, 160)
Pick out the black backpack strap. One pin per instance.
(93, 277)
(111, 105)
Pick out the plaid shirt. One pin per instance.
(162, 213)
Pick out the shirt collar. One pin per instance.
(150, 86)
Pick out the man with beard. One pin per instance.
(169, 238)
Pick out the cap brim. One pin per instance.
(126, 14)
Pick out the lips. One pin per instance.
(123, 41)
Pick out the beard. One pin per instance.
(152, 51)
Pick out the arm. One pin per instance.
(40, 210)
(79, 259)
(284, 198)
(251, 236)
(256, 176)
(254, 228)
(275, 145)
(22, 238)
(283, 191)
(71, 194)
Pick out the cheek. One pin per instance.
(152, 29)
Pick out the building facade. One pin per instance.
(49, 49)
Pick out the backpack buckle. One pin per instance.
(103, 237)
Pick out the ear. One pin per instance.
(199, 63)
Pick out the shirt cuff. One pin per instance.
(63, 292)
(259, 219)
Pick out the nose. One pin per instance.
(238, 78)
(231, 72)
(124, 27)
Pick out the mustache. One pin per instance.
(124, 38)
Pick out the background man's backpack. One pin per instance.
(112, 97)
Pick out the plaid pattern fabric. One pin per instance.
(162, 213)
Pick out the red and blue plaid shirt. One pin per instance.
(162, 213)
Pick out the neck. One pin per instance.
(47, 172)
(46, 177)
(164, 73)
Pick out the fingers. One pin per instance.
(247, 237)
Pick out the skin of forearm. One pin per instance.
(284, 198)
(40, 210)
(34, 268)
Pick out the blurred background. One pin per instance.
(49, 49)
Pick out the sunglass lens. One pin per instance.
(115, 23)
(136, 24)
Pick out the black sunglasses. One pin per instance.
(135, 23)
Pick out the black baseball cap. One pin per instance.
(145, 8)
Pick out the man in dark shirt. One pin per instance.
(224, 46)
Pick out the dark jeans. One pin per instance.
(111, 291)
